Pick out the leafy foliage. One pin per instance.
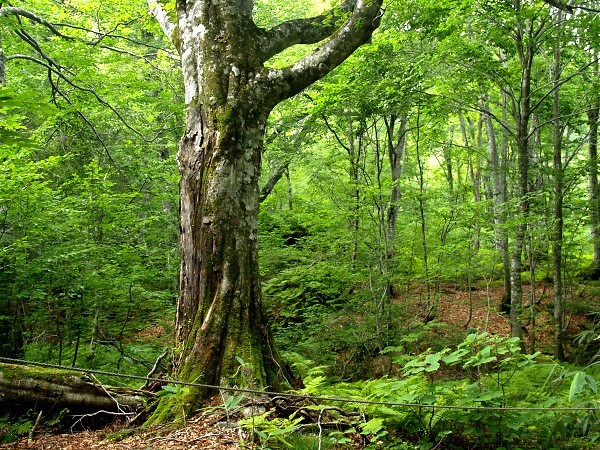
(88, 214)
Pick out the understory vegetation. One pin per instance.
(429, 244)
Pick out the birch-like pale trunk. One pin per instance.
(229, 94)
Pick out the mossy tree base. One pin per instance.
(239, 365)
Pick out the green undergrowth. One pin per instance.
(13, 425)
(496, 375)
(503, 399)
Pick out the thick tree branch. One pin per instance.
(273, 180)
(355, 31)
(20, 12)
(27, 38)
(113, 36)
(303, 31)
(162, 17)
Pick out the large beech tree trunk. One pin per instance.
(229, 95)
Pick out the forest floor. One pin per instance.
(200, 433)
(478, 310)
(458, 308)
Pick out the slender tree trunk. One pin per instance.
(380, 292)
(396, 147)
(273, 180)
(532, 296)
(354, 155)
(354, 151)
(429, 307)
(447, 149)
(525, 49)
(499, 208)
(557, 241)
(95, 328)
(593, 116)
(476, 181)
(473, 168)
(506, 298)
(289, 189)
(2, 64)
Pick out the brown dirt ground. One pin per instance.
(200, 433)
(453, 308)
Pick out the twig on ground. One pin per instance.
(102, 411)
(34, 427)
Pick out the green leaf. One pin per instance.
(451, 358)
(591, 382)
(232, 402)
(576, 385)
(373, 426)
(488, 396)
(433, 367)
(169, 391)
(428, 399)
(279, 431)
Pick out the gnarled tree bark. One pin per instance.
(229, 94)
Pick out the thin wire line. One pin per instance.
(298, 396)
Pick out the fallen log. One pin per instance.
(28, 387)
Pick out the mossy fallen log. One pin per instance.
(27, 387)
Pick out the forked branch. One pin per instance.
(303, 31)
(355, 31)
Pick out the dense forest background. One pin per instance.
(448, 167)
